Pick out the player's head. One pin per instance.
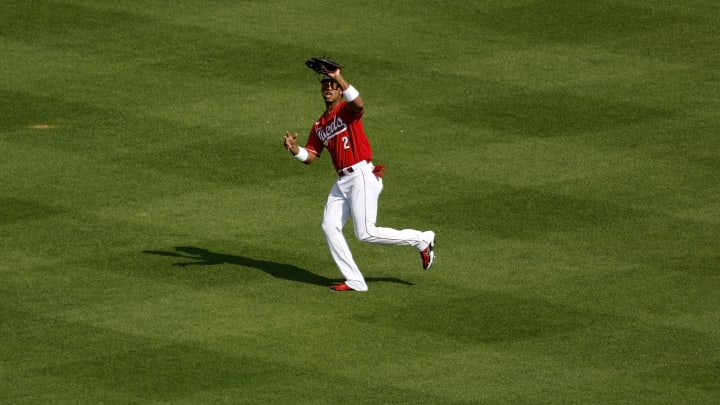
(328, 83)
(330, 90)
(323, 78)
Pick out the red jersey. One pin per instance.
(341, 133)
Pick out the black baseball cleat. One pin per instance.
(340, 287)
(428, 254)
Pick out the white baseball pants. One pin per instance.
(356, 195)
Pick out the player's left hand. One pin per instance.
(334, 74)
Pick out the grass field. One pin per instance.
(160, 246)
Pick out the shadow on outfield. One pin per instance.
(204, 257)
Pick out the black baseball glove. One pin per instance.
(322, 65)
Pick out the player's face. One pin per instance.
(330, 90)
(329, 84)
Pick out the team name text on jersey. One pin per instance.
(333, 129)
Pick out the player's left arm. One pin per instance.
(352, 96)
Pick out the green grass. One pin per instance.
(159, 246)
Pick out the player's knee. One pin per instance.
(364, 235)
(330, 228)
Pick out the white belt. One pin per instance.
(351, 169)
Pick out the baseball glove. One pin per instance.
(322, 65)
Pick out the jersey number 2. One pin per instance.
(346, 142)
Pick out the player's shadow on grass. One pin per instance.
(204, 257)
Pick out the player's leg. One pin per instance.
(337, 212)
(364, 206)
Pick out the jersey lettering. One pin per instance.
(340, 132)
(331, 130)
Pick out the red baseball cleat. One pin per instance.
(428, 255)
(340, 287)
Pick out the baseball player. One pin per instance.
(357, 189)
